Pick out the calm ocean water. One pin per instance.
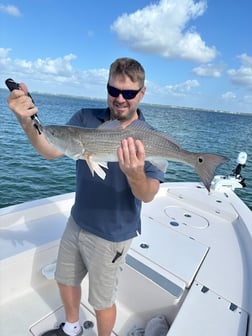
(25, 176)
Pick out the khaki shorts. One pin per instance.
(81, 252)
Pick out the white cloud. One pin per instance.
(163, 29)
(51, 70)
(60, 75)
(248, 100)
(209, 70)
(177, 90)
(4, 52)
(246, 60)
(237, 102)
(57, 66)
(243, 75)
(182, 89)
(10, 9)
(229, 96)
(48, 66)
(4, 59)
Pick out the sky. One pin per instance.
(195, 53)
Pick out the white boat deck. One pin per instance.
(192, 262)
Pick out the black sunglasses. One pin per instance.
(127, 94)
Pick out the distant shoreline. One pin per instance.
(148, 104)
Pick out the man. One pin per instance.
(106, 213)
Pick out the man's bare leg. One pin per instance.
(71, 297)
(106, 320)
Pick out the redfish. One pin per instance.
(99, 145)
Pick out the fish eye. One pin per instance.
(200, 159)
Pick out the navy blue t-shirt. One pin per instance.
(106, 208)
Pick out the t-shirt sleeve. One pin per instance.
(153, 172)
(77, 119)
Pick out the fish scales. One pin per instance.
(98, 146)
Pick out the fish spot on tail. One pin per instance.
(206, 164)
(200, 159)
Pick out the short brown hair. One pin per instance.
(128, 67)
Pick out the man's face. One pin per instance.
(122, 108)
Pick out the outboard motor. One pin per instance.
(241, 160)
(235, 180)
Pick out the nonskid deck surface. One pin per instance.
(39, 309)
(53, 319)
(30, 236)
(188, 238)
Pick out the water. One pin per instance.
(25, 176)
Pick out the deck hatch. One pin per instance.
(163, 282)
(169, 251)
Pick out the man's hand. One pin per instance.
(23, 107)
(131, 156)
(21, 104)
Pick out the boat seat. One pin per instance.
(206, 313)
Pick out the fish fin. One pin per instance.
(110, 124)
(144, 126)
(96, 167)
(98, 170)
(160, 164)
(140, 124)
(115, 124)
(103, 164)
(205, 166)
(136, 124)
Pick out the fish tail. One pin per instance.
(205, 166)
